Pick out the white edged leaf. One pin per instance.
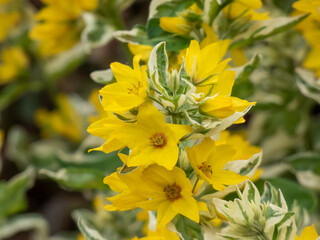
(153, 7)
(25, 222)
(65, 62)
(309, 180)
(88, 231)
(137, 35)
(97, 32)
(12, 193)
(76, 178)
(245, 167)
(308, 84)
(227, 122)
(262, 29)
(158, 64)
(245, 70)
(251, 193)
(102, 76)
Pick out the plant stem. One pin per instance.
(195, 184)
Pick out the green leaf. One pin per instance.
(84, 220)
(13, 91)
(294, 192)
(189, 229)
(102, 76)
(305, 161)
(269, 193)
(97, 32)
(43, 154)
(88, 231)
(138, 35)
(77, 178)
(243, 73)
(212, 8)
(12, 193)
(308, 84)
(106, 163)
(65, 62)
(167, 8)
(158, 64)
(153, 28)
(25, 222)
(284, 5)
(251, 193)
(262, 29)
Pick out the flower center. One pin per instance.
(134, 89)
(158, 140)
(206, 169)
(172, 192)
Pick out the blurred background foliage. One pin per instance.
(49, 180)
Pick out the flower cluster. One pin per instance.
(159, 162)
(168, 119)
(58, 34)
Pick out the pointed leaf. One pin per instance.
(262, 29)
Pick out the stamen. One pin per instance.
(172, 192)
(158, 140)
(206, 169)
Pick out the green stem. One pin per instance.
(195, 184)
(174, 120)
(216, 9)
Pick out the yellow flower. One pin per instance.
(9, 17)
(63, 121)
(80, 237)
(156, 189)
(308, 233)
(245, 9)
(202, 71)
(55, 37)
(169, 193)
(13, 61)
(151, 139)
(129, 91)
(312, 60)
(310, 30)
(58, 28)
(128, 197)
(94, 99)
(175, 25)
(208, 161)
(181, 25)
(8, 21)
(143, 50)
(238, 56)
(158, 233)
(311, 6)
(211, 36)
(222, 105)
(243, 149)
(105, 128)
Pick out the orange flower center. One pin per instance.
(206, 169)
(172, 192)
(134, 89)
(158, 140)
